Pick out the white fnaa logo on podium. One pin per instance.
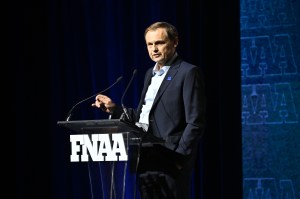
(100, 147)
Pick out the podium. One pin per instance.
(98, 171)
(110, 126)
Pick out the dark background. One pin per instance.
(66, 51)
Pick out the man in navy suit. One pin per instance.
(172, 107)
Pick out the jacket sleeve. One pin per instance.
(118, 113)
(194, 110)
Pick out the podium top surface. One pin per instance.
(97, 126)
(107, 126)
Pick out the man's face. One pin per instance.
(159, 46)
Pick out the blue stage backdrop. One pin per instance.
(270, 66)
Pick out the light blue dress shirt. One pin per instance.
(156, 80)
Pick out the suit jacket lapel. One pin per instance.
(167, 80)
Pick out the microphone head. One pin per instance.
(134, 72)
(119, 78)
(129, 83)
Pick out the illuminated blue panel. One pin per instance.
(270, 60)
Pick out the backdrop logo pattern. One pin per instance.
(270, 100)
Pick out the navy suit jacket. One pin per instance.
(178, 111)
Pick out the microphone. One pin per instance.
(122, 98)
(71, 110)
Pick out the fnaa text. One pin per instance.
(100, 147)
